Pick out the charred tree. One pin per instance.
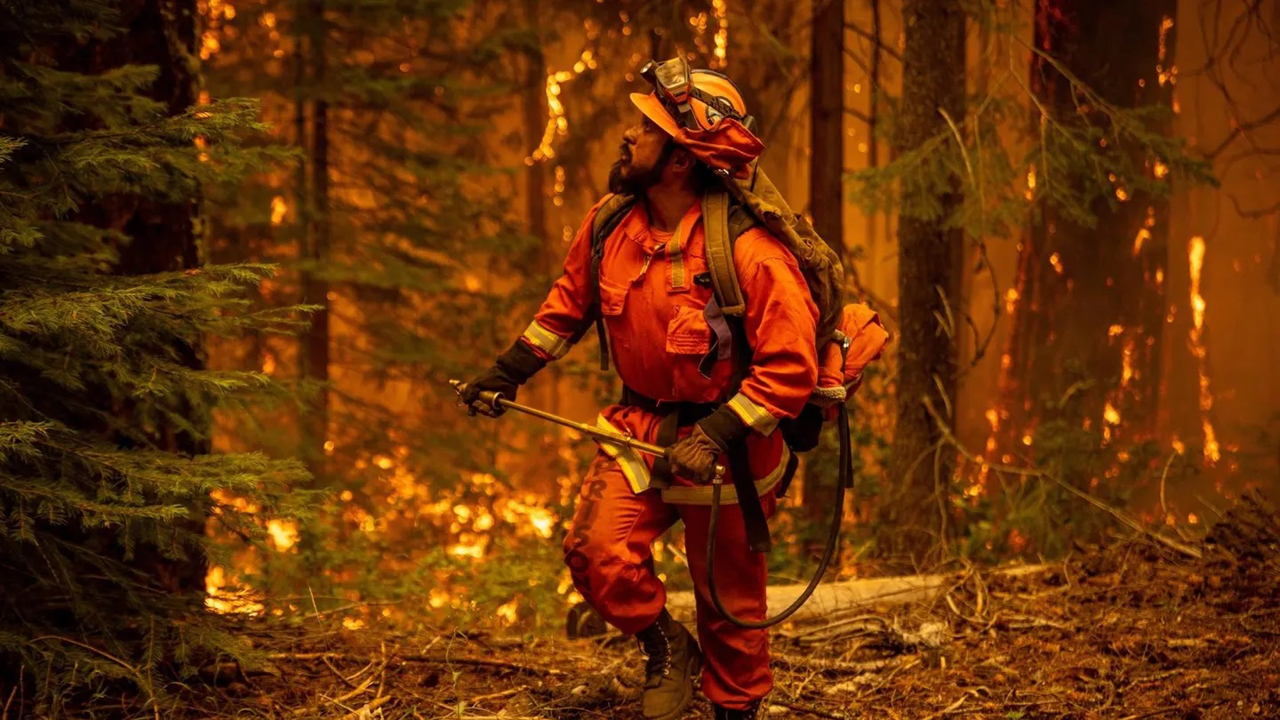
(1092, 301)
(928, 243)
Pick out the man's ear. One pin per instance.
(682, 160)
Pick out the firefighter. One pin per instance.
(651, 288)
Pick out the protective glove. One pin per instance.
(694, 456)
(512, 369)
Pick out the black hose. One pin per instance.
(833, 539)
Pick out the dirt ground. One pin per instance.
(1136, 629)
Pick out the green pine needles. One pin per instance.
(106, 469)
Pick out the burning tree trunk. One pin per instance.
(1091, 305)
(932, 90)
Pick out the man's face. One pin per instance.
(642, 159)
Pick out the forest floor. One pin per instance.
(1136, 629)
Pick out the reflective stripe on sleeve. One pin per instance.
(755, 416)
(546, 341)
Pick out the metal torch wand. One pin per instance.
(494, 399)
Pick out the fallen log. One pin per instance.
(827, 599)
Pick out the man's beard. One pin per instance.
(637, 183)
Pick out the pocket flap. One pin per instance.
(613, 297)
(688, 332)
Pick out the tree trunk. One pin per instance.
(315, 288)
(1092, 304)
(911, 519)
(826, 197)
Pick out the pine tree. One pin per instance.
(105, 304)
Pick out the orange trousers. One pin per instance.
(608, 551)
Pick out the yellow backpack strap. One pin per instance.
(719, 249)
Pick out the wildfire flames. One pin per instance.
(1195, 254)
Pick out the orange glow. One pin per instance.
(557, 122)
(224, 601)
(1056, 261)
(278, 210)
(507, 611)
(1114, 330)
(1011, 299)
(1166, 24)
(1127, 371)
(721, 10)
(209, 45)
(1111, 415)
(284, 533)
(1142, 236)
(1031, 182)
(1195, 256)
(1211, 450)
(1160, 170)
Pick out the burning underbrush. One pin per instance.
(1136, 628)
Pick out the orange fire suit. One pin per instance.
(653, 293)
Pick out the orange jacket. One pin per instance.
(652, 300)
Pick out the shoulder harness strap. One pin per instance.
(719, 237)
(607, 218)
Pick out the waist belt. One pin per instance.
(676, 415)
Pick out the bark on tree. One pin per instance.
(932, 82)
(315, 288)
(1092, 303)
(826, 185)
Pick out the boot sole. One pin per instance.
(695, 674)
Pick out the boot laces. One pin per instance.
(656, 645)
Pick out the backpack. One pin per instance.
(729, 211)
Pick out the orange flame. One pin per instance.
(1195, 254)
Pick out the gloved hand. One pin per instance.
(695, 456)
(512, 369)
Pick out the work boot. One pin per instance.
(674, 662)
(749, 714)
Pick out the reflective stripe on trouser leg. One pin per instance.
(608, 548)
(735, 659)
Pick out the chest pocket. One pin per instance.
(688, 332)
(613, 297)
